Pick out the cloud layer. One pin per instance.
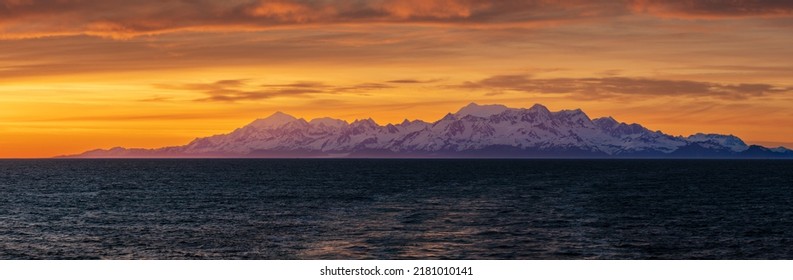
(714, 8)
(116, 18)
(613, 86)
(121, 19)
(241, 90)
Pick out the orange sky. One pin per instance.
(80, 75)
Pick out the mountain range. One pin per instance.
(490, 131)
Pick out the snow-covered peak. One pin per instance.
(574, 112)
(448, 117)
(539, 108)
(482, 111)
(576, 116)
(407, 122)
(606, 123)
(413, 125)
(364, 122)
(733, 143)
(273, 121)
(329, 122)
(488, 129)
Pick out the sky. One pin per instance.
(77, 75)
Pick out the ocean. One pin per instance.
(395, 209)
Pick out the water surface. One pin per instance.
(396, 209)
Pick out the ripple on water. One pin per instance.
(395, 209)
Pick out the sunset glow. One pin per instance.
(81, 75)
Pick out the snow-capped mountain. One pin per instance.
(474, 131)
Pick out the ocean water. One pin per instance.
(396, 209)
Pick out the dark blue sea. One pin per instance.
(396, 209)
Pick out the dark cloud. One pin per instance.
(611, 86)
(412, 81)
(123, 19)
(748, 68)
(88, 54)
(361, 87)
(713, 8)
(120, 19)
(297, 85)
(240, 90)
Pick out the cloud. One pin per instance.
(412, 81)
(615, 86)
(361, 87)
(713, 8)
(318, 48)
(241, 90)
(123, 19)
(238, 90)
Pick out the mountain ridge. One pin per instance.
(490, 131)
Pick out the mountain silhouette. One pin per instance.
(490, 131)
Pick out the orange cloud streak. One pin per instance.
(713, 9)
(124, 19)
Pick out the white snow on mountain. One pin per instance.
(473, 128)
(328, 122)
(273, 121)
(482, 111)
(716, 140)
